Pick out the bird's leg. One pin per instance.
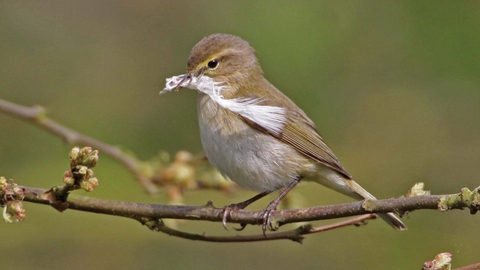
(241, 205)
(273, 205)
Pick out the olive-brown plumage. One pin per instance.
(248, 151)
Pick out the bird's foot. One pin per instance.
(226, 213)
(266, 217)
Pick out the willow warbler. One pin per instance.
(254, 134)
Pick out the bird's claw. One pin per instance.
(242, 226)
(226, 211)
(266, 217)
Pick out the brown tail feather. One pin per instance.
(390, 218)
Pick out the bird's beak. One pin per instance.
(187, 77)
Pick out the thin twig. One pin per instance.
(295, 235)
(356, 221)
(142, 172)
(475, 266)
(38, 116)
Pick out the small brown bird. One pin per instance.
(254, 134)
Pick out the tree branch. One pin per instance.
(151, 214)
(295, 235)
(38, 116)
(470, 267)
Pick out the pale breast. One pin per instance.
(251, 158)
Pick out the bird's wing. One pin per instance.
(299, 131)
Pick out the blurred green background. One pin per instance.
(393, 86)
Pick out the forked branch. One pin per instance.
(152, 214)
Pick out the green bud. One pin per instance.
(89, 184)
(74, 153)
(19, 193)
(3, 183)
(91, 159)
(86, 150)
(82, 170)
(68, 178)
(14, 212)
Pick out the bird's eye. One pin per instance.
(213, 64)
